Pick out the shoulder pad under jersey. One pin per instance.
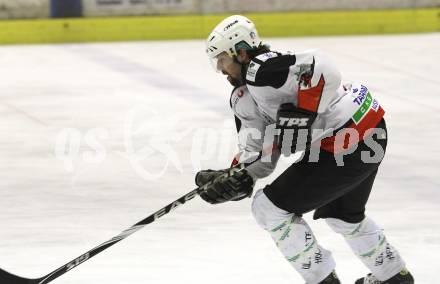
(269, 69)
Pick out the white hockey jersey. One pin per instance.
(310, 81)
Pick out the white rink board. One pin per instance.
(20, 9)
(93, 8)
(51, 212)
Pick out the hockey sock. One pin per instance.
(368, 242)
(294, 239)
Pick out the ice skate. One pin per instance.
(331, 279)
(403, 277)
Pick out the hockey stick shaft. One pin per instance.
(136, 227)
(6, 277)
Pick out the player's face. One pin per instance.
(229, 67)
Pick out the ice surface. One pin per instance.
(116, 99)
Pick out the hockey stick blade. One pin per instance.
(8, 278)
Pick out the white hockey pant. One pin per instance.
(368, 242)
(294, 238)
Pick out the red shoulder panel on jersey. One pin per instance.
(309, 99)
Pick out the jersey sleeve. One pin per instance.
(251, 129)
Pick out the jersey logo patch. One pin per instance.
(305, 73)
(252, 71)
(265, 56)
(293, 121)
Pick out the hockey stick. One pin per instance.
(8, 278)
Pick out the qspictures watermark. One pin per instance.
(147, 133)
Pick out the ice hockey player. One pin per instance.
(342, 131)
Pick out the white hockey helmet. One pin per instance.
(233, 33)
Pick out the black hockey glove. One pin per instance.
(205, 176)
(295, 123)
(228, 185)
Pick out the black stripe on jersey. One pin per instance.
(273, 72)
(237, 123)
